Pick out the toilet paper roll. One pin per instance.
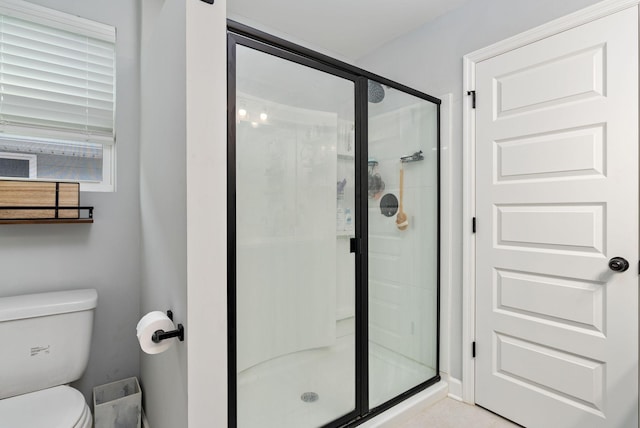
(148, 325)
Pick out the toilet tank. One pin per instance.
(44, 339)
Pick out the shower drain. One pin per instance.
(309, 397)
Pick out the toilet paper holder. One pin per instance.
(160, 335)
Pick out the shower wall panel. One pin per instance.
(403, 263)
(291, 160)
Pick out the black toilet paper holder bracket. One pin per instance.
(160, 335)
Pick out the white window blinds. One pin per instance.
(56, 83)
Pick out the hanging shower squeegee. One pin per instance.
(417, 156)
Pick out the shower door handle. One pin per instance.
(354, 246)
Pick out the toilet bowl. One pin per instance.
(57, 407)
(45, 345)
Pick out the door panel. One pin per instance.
(534, 157)
(564, 302)
(577, 75)
(556, 198)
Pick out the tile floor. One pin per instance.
(449, 413)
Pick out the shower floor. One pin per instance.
(269, 394)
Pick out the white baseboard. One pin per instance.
(455, 387)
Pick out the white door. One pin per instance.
(556, 199)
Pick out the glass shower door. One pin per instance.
(294, 213)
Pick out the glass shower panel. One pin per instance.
(295, 303)
(403, 241)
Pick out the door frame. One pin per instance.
(470, 60)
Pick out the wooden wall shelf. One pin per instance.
(48, 221)
(15, 210)
(42, 202)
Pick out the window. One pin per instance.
(57, 96)
(18, 165)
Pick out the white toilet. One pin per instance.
(44, 344)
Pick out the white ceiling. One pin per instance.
(350, 29)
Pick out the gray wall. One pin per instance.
(106, 254)
(430, 59)
(163, 201)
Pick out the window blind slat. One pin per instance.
(15, 84)
(45, 48)
(10, 129)
(56, 83)
(24, 52)
(56, 107)
(59, 110)
(17, 54)
(48, 113)
(88, 133)
(56, 73)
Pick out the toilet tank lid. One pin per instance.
(43, 304)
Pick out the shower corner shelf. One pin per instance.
(346, 156)
(345, 233)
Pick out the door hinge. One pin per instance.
(473, 225)
(473, 98)
(473, 349)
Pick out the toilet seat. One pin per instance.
(86, 419)
(57, 407)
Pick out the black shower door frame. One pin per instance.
(239, 34)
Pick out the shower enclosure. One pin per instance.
(333, 238)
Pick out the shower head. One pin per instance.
(375, 92)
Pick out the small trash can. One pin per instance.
(117, 404)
